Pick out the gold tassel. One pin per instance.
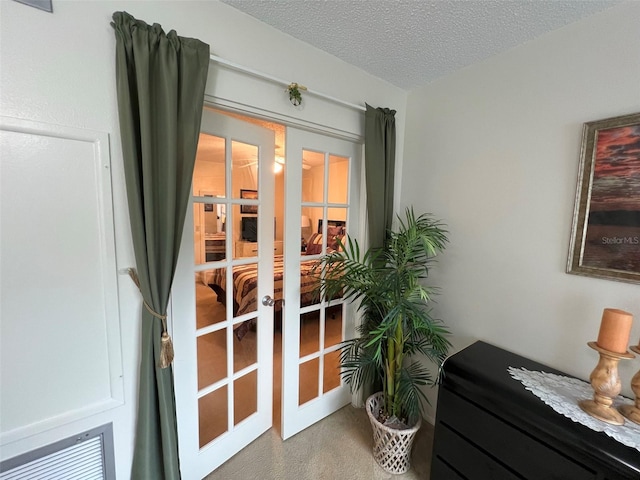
(166, 351)
(166, 344)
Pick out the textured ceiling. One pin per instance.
(411, 42)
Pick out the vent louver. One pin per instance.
(88, 456)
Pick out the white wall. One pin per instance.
(493, 150)
(59, 69)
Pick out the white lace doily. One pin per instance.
(563, 394)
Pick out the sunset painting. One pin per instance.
(612, 236)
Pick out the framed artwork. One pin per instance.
(252, 195)
(41, 4)
(208, 207)
(605, 237)
(331, 223)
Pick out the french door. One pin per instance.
(224, 344)
(322, 198)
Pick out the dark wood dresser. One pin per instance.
(489, 427)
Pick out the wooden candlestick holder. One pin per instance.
(606, 386)
(632, 412)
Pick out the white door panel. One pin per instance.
(321, 191)
(223, 373)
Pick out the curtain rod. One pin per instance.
(273, 79)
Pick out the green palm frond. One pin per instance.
(412, 377)
(387, 287)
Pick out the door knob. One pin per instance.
(267, 301)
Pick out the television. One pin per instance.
(249, 229)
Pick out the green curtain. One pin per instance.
(380, 164)
(160, 84)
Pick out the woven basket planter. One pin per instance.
(391, 447)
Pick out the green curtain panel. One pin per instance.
(160, 82)
(380, 164)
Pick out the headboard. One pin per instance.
(331, 223)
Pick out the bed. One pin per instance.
(245, 277)
(245, 280)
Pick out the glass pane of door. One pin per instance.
(328, 210)
(209, 187)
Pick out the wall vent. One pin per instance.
(87, 456)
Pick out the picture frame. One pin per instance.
(208, 207)
(331, 223)
(251, 195)
(45, 5)
(605, 235)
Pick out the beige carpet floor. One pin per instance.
(336, 448)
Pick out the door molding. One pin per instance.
(287, 120)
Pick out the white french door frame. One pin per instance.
(200, 469)
(196, 461)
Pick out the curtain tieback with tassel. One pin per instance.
(166, 345)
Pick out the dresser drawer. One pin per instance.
(441, 470)
(246, 249)
(515, 449)
(462, 459)
(250, 249)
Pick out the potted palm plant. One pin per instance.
(396, 326)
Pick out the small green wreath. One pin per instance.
(295, 97)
